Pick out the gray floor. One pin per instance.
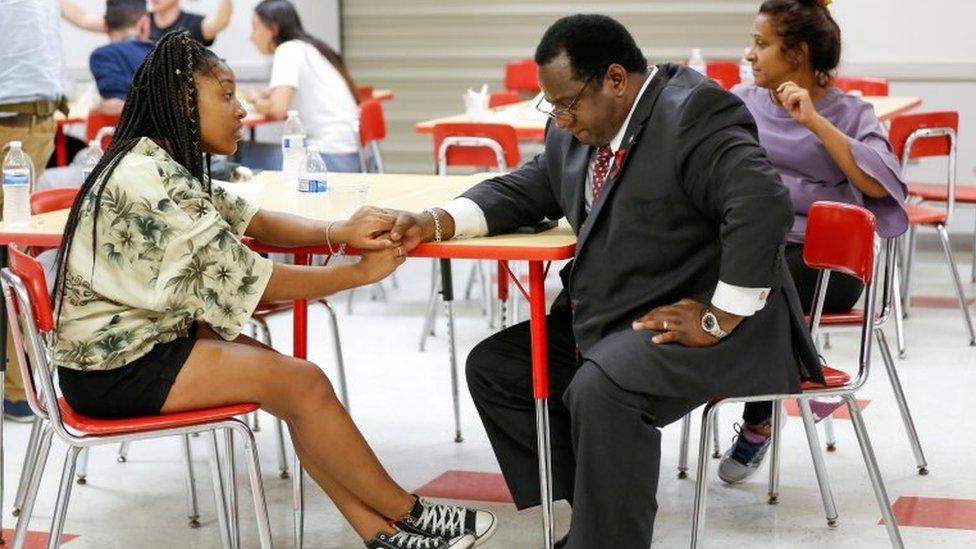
(401, 400)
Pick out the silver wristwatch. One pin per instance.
(709, 323)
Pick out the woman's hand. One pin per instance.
(797, 102)
(377, 265)
(367, 229)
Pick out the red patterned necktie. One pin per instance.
(604, 156)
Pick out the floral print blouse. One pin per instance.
(167, 254)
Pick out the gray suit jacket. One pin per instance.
(695, 201)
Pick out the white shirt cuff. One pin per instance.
(739, 300)
(469, 219)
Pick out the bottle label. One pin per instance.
(292, 141)
(16, 177)
(306, 185)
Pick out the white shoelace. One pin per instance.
(413, 541)
(443, 520)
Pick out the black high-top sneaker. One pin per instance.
(449, 521)
(409, 540)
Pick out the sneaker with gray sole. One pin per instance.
(743, 458)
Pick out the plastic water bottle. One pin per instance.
(314, 174)
(292, 147)
(18, 170)
(90, 158)
(745, 69)
(697, 62)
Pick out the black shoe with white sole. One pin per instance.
(448, 521)
(409, 540)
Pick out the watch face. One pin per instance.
(708, 321)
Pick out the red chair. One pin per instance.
(521, 75)
(101, 127)
(27, 299)
(49, 200)
(863, 84)
(481, 145)
(499, 99)
(926, 135)
(372, 130)
(725, 72)
(365, 92)
(839, 237)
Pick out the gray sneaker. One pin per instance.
(743, 458)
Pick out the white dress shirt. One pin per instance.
(470, 221)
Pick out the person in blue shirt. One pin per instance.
(113, 65)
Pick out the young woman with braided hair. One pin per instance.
(154, 287)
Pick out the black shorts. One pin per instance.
(137, 389)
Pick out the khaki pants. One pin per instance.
(36, 133)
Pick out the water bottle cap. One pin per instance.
(15, 144)
(292, 114)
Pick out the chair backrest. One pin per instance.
(841, 237)
(521, 75)
(96, 122)
(865, 85)
(49, 200)
(507, 97)
(480, 145)
(365, 92)
(372, 123)
(725, 72)
(31, 320)
(924, 135)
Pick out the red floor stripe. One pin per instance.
(955, 514)
(938, 302)
(840, 413)
(35, 540)
(467, 485)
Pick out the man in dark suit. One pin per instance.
(677, 293)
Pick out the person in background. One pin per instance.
(167, 16)
(310, 77)
(826, 145)
(82, 18)
(113, 65)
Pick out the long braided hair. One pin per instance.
(161, 105)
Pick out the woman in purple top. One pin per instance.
(827, 145)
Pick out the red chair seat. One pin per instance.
(937, 192)
(852, 317)
(104, 427)
(834, 378)
(921, 215)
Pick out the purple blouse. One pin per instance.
(811, 174)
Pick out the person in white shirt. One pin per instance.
(310, 77)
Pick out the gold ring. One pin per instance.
(665, 325)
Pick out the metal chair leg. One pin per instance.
(192, 507)
(255, 421)
(829, 434)
(701, 484)
(447, 293)
(873, 472)
(231, 489)
(82, 466)
(906, 414)
(683, 449)
(30, 456)
(774, 460)
(282, 453)
(823, 481)
(64, 496)
(298, 502)
(899, 317)
(430, 316)
(33, 484)
(257, 487)
(960, 293)
(716, 445)
(972, 267)
(123, 452)
(906, 285)
(220, 497)
(337, 351)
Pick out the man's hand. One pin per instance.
(681, 323)
(367, 229)
(411, 229)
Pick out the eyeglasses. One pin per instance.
(555, 112)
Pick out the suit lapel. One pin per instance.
(578, 159)
(631, 137)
